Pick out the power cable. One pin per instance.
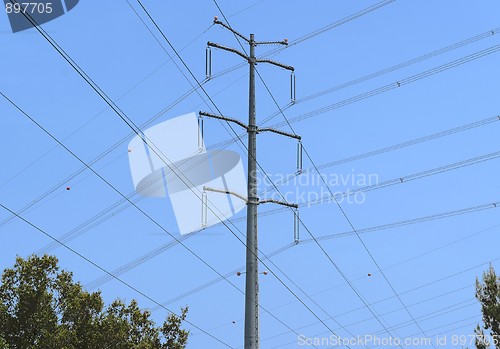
(89, 224)
(213, 103)
(397, 84)
(458, 62)
(133, 204)
(393, 225)
(131, 125)
(314, 33)
(299, 219)
(107, 272)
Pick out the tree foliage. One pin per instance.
(488, 293)
(41, 307)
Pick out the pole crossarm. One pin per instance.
(223, 191)
(282, 42)
(278, 64)
(220, 117)
(243, 198)
(225, 48)
(216, 21)
(283, 133)
(241, 124)
(282, 203)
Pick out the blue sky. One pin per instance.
(431, 264)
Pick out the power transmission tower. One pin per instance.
(252, 340)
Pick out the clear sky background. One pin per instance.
(430, 263)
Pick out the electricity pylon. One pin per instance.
(252, 199)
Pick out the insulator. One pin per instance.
(292, 88)
(299, 157)
(204, 203)
(296, 225)
(208, 62)
(200, 133)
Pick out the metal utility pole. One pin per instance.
(252, 199)
(252, 264)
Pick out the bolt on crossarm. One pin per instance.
(252, 339)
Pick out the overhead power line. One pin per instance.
(411, 221)
(133, 204)
(427, 316)
(180, 58)
(195, 79)
(438, 216)
(314, 33)
(404, 64)
(447, 293)
(295, 213)
(187, 93)
(154, 149)
(287, 122)
(133, 87)
(371, 76)
(109, 273)
(226, 143)
(120, 205)
(346, 217)
(419, 287)
(399, 180)
(392, 86)
(332, 197)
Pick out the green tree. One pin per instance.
(41, 307)
(488, 293)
